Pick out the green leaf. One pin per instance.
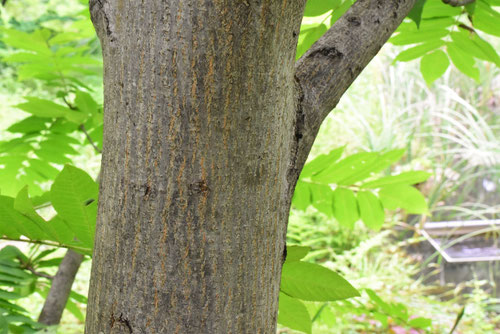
(36, 41)
(403, 197)
(293, 314)
(419, 36)
(10, 219)
(320, 7)
(486, 18)
(24, 205)
(463, 61)
(416, 12)
(438, 9)
(357, 167)
(379, 302)
(43, 168)
(4, 325)
(29, 125)
(301, 196)
(420, 323)
(309, 34)
(85, 103)
(296, 253)
(419, 50)
(321, 162)
(434, 65)
(474, 45)
(345, 168)
(371, 210)
(341, 10)
(382, 162)
(312, 282)
(345, 207)
(407, 178)
(42, 107)
(322, 196)
(75, 310)
(70, 194)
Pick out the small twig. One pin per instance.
(82, 128)
(37, 273)
(458, 3)
(70, 106)
(466, 27)
(46, 243)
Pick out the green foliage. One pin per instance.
(293, 314)
(443, 33)
(15, 283)
(434, 31)
(304, 281)
(74, 199)
(352, 188)
(59, 127)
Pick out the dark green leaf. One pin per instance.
(416, 12)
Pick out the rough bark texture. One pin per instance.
(199, 127)
(207, 125)
(55, 303)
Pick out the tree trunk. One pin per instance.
(195, 187)
(207, 124)
(55, 303)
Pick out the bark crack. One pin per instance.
(120, 324)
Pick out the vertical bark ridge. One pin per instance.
(199, 116)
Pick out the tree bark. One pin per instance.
(55, 303)
(207, 124)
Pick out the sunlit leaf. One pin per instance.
(293, 314)
(345, 207)
(434, 65)
(312, 282)
(371, 210)
(403, 197)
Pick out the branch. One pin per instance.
(458, 3)
(28, 267)
(329, 67)
(94, 145)
(60, 289)
(49, 243)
